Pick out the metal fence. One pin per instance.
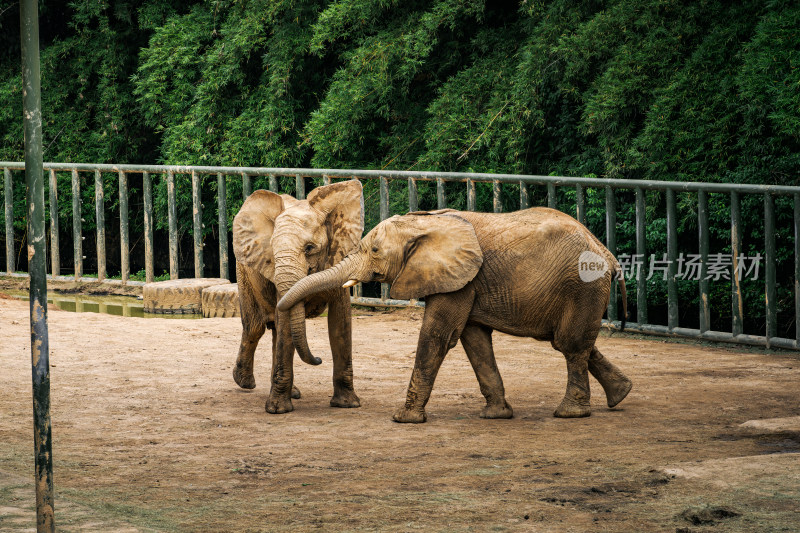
(580, 186)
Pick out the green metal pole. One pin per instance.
(37, 264)
(441, 199)
(524, 201)
(413, 199)
(672, 257)
(149, 264)
(769, 264)
(580, 204)
(470, 195)
(611, 244)
(197, 225)
(737, 305)
(222, 215)
(702, 226)
(100, 218)
(641, 251)
(9, 205)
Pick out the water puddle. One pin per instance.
(109, 305)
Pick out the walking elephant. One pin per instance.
(278, 240)
(534, 273)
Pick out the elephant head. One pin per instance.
(418, 253)
(285, 239)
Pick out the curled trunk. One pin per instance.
(351, 267)
(297, 316)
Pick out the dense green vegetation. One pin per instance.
(653, 89)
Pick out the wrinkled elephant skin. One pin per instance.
(534, 273)
(278, 240)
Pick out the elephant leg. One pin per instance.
(445, 318)
(477, 342)
(576, 400)
(615, 384)
(295, 391)
(280, 395)
(254, 324)
(340, 333)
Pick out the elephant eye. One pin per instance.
(309, 248)
(374, 248)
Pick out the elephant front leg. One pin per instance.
(477, 342)
(280, 395)
(576, 400)
(445, 318)
(340, 334)
(252, 330)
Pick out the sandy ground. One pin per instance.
(152, 434)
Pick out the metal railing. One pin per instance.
(384, 177)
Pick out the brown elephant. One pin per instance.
(278, 240)
(534, 273)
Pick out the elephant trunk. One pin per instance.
(351, 267)
(284, 280)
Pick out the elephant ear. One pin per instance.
(252, 231)
(442, 255)
(343, 205)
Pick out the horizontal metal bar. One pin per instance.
(425, 176)
(378, 302)
(715, 336)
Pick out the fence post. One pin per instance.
(441, 199)
(100, 220)
(197, 225)
(124, 230)
(702, 226)
(55, 255)
(384, 213)
(470, 195)
(611, 244)
(77, 237)
(326, 180)
(580, 204)
(247, 187)
(9, 205)
(299, 187)
(172, 214)
(672, 258)
(273, 183)
(413, 200)
(552, 202)
(524, 201)
(497, 203)
(797, 269)
(737, 305)
(40, 344)
(222, 213)
(149, 266)
(641, 252)
(769, 264)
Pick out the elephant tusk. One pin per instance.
(350, 283)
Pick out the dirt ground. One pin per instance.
(150, 433)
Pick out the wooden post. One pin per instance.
(100, 219)
(149, 260)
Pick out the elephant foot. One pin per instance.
(407, 416)
(570, 408)
(295, 393)
(244, 379)
(497, 411)
(345, 399)
(617, 391)
(277, 406)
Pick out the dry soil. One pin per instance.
(150, 433)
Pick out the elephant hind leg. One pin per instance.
(477, 342)
(576, 400)
(615, 384)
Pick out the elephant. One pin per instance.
(532, 273)
(278, 240)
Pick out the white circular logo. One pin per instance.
(591, 266)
